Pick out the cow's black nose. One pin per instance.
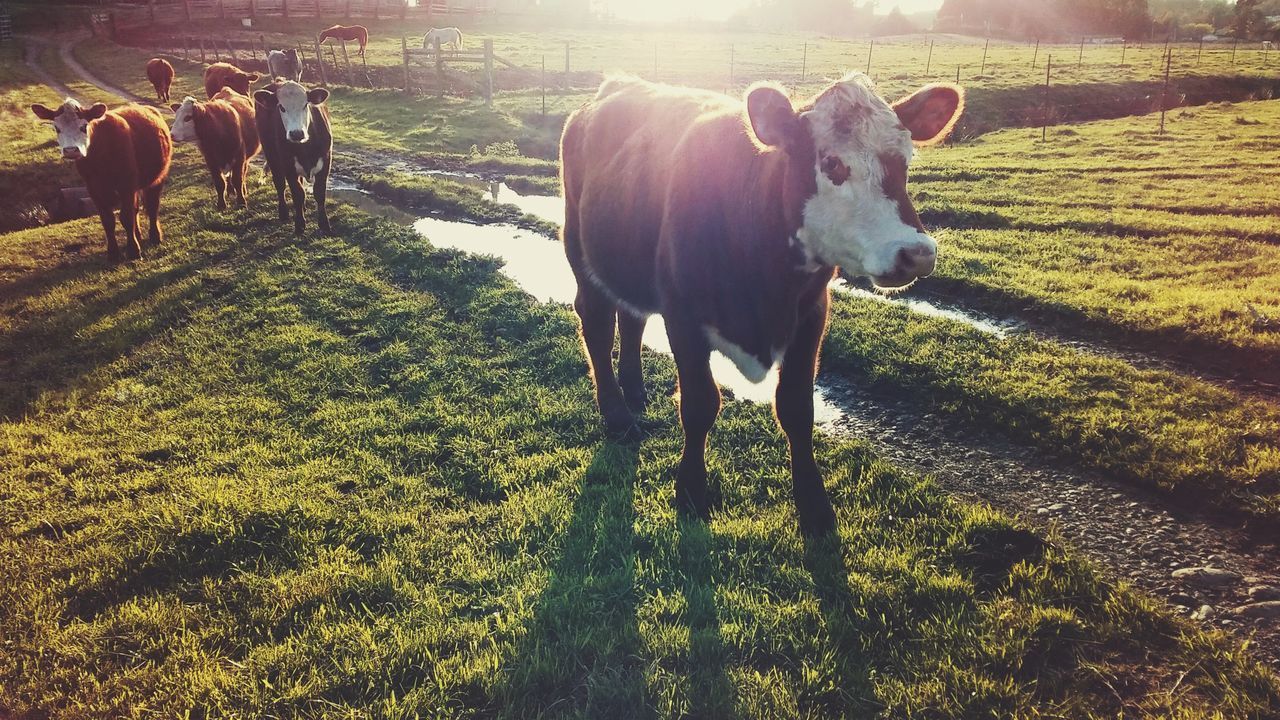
(295, 135)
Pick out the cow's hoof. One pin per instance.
(284, 214)
(299, 230)
(817, 519)
(637, 399)
(692, 501)
(620, 425)
(113, 255)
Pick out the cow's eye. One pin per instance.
(188, 118)
(84, 128)
(835, 169)
(281, 109)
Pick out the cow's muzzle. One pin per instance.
(297, 136)
(910, 264)
(71, 153)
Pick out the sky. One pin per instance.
(660, 10)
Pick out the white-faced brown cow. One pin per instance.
(729, 220)
(225, 130)
(293, 126)
(120, 154)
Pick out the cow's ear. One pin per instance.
(772, 118)
(317, 96)
(43, 112)
(931, 112)
(252, 77)
(174, 106)
(265, 97)
(95, 112)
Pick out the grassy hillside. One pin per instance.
(356, 476)
(255, 475)
(1169, 241)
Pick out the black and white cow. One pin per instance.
(293, 127)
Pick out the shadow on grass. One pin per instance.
(581, 655)
(710, 691)
(824, 559)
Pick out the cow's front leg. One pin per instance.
(699, 406)
(299, 196)
(108, 218)
(597, 313)
(793, 404)
(630, 374)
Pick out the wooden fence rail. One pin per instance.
(156, 13)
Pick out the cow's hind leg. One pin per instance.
(597, 312)
(699, 406)
(630, 373)
(238, 170)
(219, 186)
(151, 203)
(793, 404)
(129, 220)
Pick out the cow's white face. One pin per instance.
(71, 121)
(184, 126)
(857, 214)
(294, 102)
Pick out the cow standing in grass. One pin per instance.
(160, 73)
(293, 126)
(729, 219)
(220, 75)
(226, 131)
(120, 154)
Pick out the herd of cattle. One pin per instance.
(124, 154)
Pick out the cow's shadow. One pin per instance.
(583, 649)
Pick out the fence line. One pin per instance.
(425, 70)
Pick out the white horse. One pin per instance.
(450, 36)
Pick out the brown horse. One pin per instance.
(347, 32)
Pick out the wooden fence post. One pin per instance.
(1164, 91)
(730, 63)
(928, 63)
(804, 61)
(324, 76)
(544, 86)
(186, 5)
(1080, 62)
(151, 12)
(346, 59)
(284, 8)
(404, 51)
(1124, 50)
(566, 64)
(488, 71)
(870, 50)
(1044, 103)
(1035, 54)
(202, 60)
(253, 9)
(222, 11)
(985, 47)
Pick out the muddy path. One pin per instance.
(32, 46)
(1132, 534)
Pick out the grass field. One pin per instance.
(360, 477)
(356, 477)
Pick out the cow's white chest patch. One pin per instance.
(308, 173)
(749, 365)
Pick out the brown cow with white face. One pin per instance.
(729, 219)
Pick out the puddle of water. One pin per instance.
(544, 207)
(540, 268)
(366, 202)
(924, 307)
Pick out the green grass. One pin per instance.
(358, 477)
(1165, 241)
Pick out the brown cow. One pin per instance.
(729, 219)
(119, 154)
(227, 134)
(160, 73)
(346, 32)
(220, 75)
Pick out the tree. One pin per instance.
(1249, 19)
